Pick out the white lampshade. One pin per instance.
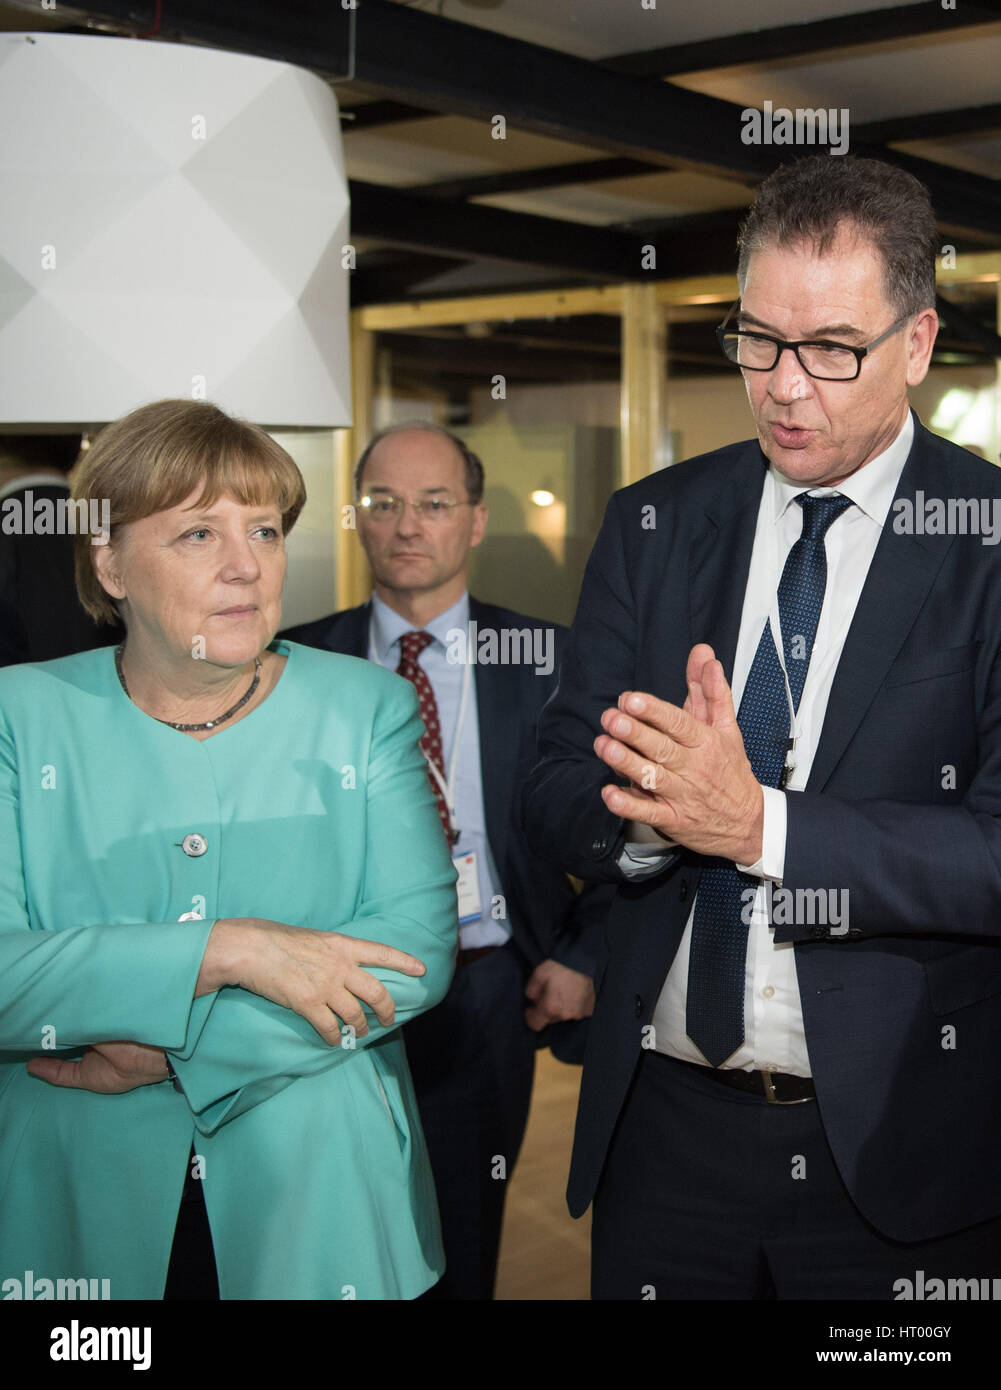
(172, 224)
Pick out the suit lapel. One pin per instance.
(498, 711)
(719, 560)
(902, 572)
(354, 634)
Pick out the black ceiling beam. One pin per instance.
(959, 199)
(550, 176)
(377, 113)
(369, 286)
(383, 276)
(929, 125)
(797, 40)
(479, 73)
(693, 245)
(705, 227)
(452, 67)
(401, 217)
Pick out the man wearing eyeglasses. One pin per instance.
(792, 1076)
(523, 930)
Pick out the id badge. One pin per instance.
(468, 888)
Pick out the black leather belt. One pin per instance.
(477, 953)
(778, 1088)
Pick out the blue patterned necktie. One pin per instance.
(716, 968)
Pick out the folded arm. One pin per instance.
(241, 1048)
(156, 985)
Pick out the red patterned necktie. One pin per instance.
(411, 646)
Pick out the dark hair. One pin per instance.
(472, 465)
(812, 199)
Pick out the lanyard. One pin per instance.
(818, 670)
(447, 789)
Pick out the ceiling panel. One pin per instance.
(604, 28)
(977, 154)
(882, 80)
(628, 200)
(446, 147)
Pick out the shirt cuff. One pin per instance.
(638, 833)
(773, 838)
(645, 852)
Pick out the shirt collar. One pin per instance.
(871, 488)
(388, 626)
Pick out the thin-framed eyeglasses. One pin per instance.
(824, 360)
(386, 507)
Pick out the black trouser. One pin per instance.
(709, 1193)
(472, 1058)
(192, 1270)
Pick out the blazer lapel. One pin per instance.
(719, 560)
(902, 572)
(498, 711)
(355, 630)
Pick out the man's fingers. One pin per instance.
(697, 658)
(630, 806)
(696, 704)
(648, 759)
(660, 716)
(651, 745)
(644, 772)
(719, 696)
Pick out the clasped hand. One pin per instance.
(690, 777)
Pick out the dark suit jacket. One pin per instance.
(901, 809)
(546, 917)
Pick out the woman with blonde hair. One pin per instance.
(223, 887)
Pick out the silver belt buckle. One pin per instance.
(769, 1089)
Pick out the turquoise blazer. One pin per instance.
(315, 810)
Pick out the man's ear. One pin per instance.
(481, 515)
(108, 570)
(920, 342)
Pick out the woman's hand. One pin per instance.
(318, 974)
(109, 1068)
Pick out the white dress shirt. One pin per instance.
(774, 1037)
